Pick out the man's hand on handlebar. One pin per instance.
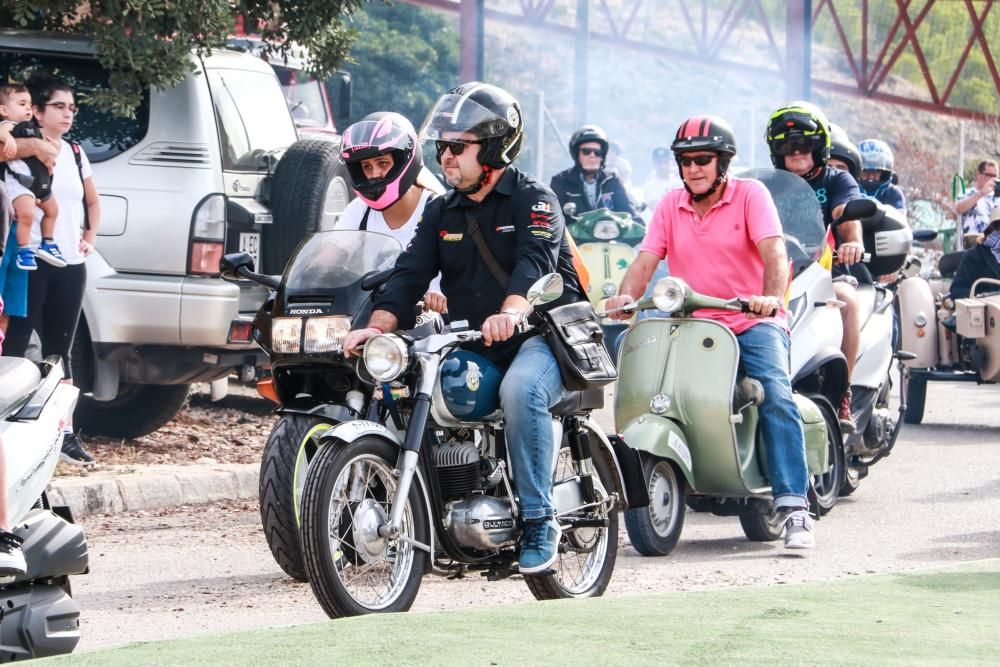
(762, 306)
(498, 328)
(850, 252)
(613, 307)
(355, 341)
(436, 301)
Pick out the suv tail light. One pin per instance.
(208, 236)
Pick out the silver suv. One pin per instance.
(193, 175)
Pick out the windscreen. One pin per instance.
(798, 208)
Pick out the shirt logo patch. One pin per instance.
(445, 236)
(506, 228)
(541, 233)
(543, 207)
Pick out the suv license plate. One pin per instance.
(250, 243)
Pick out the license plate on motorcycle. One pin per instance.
(397, 392)
(250, 243)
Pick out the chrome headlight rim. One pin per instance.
(379, 349)
(669, 294)
(317, 341)
(606, 230)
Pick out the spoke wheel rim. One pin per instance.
(371, 569)
(582, 552)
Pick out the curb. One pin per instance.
(153, 487)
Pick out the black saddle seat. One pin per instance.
(18, 378)
(576, 402)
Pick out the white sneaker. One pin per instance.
(11, 556)
(799, 530)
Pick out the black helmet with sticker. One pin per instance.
(487, 112)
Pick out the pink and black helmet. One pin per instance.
(382, 133)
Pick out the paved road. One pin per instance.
(935, 501)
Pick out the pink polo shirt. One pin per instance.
(717, 255)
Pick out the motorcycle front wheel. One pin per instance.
(352, 569)
(586, 555)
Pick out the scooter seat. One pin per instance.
(18, 378)
(579, 401)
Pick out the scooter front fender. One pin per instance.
(663, 438)
(918, 322)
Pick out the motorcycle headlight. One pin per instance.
(285, 334)
(325, 334)
(606, 230)
(386, 357)
(668, 294)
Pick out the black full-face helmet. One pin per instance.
(705, 133)
(843, 149)
(487, 112)
(799, 123)
(587, 134)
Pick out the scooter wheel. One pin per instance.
(654, 530)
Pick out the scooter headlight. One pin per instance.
(606, 230)
(668, 294)
(325, 334)
(386, 357)
(286, 332)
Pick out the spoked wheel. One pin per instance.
(826, 486)
(348, 496)
(293, 443)
(762, 526)
(586, 555)
(655, 529)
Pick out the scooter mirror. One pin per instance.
(569, 208)
(859, 208)
(231, 263)
(924, 235)
(545, 289)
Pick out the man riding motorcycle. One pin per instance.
(496, 220)
(586, 184)
(877, 173)
(724, 238)
(799, 138)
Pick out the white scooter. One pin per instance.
(38, 616)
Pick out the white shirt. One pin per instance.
(355, 212)
(977, 218)
(68, 192)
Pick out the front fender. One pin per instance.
(629, 480)
(310, 407)
(347, 432)
(663, 438)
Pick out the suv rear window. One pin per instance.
(253, 118)
(304, 95)
(102, 134)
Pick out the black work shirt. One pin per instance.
(523, 227)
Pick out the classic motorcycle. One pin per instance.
(380, 511)
(698, 440)
(953, 340)
(39, 616)
(325, 287)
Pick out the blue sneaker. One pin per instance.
(26, 259)
(51, 254)
(539, 545)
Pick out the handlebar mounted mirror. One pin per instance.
(547, 288)
(230, 264)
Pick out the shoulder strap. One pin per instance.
(472, 227)
(364, 220)
(78, 156)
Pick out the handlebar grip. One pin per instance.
(745, 307)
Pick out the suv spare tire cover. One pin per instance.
(309, 190)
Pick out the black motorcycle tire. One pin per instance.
(916, 396)
(320, 562)
(292, 436)
(648, 533)
(761, 526)
(827, 487)
(546, 586)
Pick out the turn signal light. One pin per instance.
(920, 333)
(205, 258)
(239, 332)
(266, 390)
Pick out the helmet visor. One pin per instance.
(368, 138)
(798, 144)
(460, 114)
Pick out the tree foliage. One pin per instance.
(147, 42)
(403, 59)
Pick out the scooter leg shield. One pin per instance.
(814, 430)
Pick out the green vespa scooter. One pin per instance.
(683, 404)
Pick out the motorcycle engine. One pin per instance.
(481, 522)
(458, 468)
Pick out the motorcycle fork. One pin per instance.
(579, 447)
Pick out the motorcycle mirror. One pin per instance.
(569, 208)
(924, 234)
(230, 264)
(856, 209)
(545, 289)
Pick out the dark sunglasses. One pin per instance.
(591, 151)
(700, 160)
(796, 146)
(456, 147)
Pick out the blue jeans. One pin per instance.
(530, 387)
(764, 353)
